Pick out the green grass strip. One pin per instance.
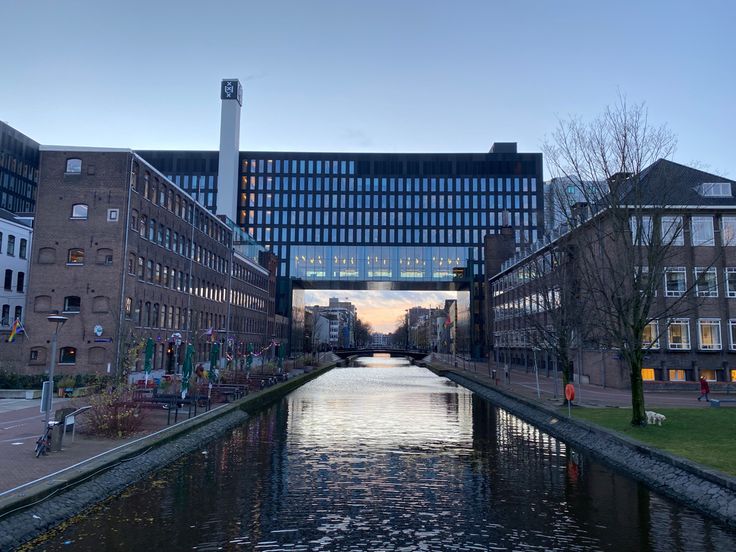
(706, 436)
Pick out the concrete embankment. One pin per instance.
(708, 491)
(30, 510)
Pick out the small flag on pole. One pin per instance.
(17, 328)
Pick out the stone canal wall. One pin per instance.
(709, 492)
(48, 503)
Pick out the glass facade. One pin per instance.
(19, 161)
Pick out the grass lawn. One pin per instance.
(705, 435)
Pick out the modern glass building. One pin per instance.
(19, 158)
(374, 220)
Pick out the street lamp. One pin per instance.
(59, 321)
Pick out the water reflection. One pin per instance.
(387, 456)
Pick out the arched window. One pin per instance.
(8, 279)
(146, 184)
(134, 220)
(20, 282)
(23, 252)
(79, 211)
(154, 316)
(67, 355)
(147, 314)
(152, 230)
(73, 166)
(75, 256)
(72, 303)
(143, 225)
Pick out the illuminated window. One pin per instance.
(650, 337)
(75, 256)
(647, 374)
(677, 375)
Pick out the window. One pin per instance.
(702, 230)
(8, 279)
(706, 284)
(715, 189)
(678, 333)
(647, 374)
(21, 281)
(677, 375)
(708, 373)
(112, 215)
(73, 166)
(141, 273)
(675, 282)
(72, 303)
(650, 337)
(641, 230)
(134, 220)
(732, 333)
(18, 313)
(75, 257)
(5, 318)
(672, 231)
(709, 334)
(728, 234)
(67, 355)
(1, 242)
(11, 246)
(79, 211)
(128, 307)
(23, 251)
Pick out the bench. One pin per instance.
(716, 403)
(170, 402)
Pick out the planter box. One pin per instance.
(20, 394)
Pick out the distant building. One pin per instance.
(562, 195)
(339, 317)
(19, 157)
(15, 252)
(380, 339)
(127, 255)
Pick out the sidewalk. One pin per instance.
(21, 424)
(525, 384)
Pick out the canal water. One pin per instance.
(387, 456)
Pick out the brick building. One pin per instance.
(695, 286)
(127, 255)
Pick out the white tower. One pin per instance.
(228, 174)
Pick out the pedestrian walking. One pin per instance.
(704, 389)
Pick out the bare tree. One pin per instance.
(626, 225)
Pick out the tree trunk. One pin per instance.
(638, 417)
(566, 375)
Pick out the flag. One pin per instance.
(16, 329)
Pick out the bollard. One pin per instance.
(493, 376)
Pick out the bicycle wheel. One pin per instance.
(40, 447)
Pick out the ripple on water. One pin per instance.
(389, 456)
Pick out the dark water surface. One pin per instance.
(388, 456)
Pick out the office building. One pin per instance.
(695, 284)
(18, 170)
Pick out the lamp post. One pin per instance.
(59, 321)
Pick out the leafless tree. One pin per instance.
(626, 225)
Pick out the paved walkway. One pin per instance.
(21, 424)
(525, 384)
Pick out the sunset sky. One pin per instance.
(383, 310)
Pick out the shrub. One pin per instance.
(113, 414)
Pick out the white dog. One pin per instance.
(654, 418)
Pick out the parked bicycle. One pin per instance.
(43, 445)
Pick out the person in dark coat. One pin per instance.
(704, 389)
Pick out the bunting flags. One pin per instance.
(16, 329)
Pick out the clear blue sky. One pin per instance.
(365, 75)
